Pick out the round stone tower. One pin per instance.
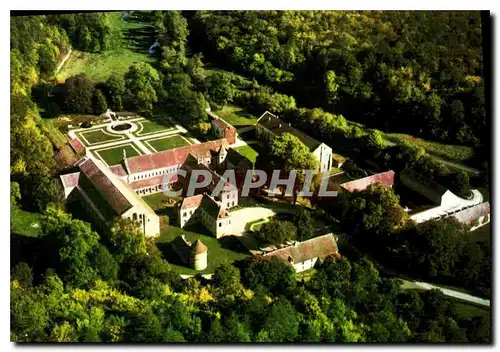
(199, 255)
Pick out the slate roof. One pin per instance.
(76, 145)
(469, 215)
(386, 178)
(278, 127)
(318, 247)
(147, 162)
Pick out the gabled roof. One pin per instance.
(70, 180)
(221, 124)
(105, 186)
(468, 215)
(147, 162)
(278, 127)
(110, 194)
(213, 208)
(318, 247)
(192, 202)
(386, 178)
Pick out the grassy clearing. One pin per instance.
(51, 129)
(148, 127)
(114, 155)
(248, 152)
(225, 250)
(96, 136)
(236, 116)
(446, 151)
(25, 223)
(166, 143)
(129, 42)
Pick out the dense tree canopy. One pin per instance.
(414, 71)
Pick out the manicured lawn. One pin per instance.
(158, 200)
(467, 311)
(446, 151)
(166, 143)
(96, 136)
(25, 223)
(128, 43)
(114, 155)
(236, 116)
(149, 127)
(225, 250)
(248, 152)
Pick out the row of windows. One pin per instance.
(155, 173)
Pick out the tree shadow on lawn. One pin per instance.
(233, 243)
(139, 40)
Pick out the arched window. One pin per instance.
(134, 216)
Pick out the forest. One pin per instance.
(420, 73)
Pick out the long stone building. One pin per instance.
(109, 193)
(106, 197)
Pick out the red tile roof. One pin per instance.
(142, 163)
(76, 145)
(221, 124)
(118, 170)
(192, 202)
(104, 186)
(70, 180)
(153, 181)
(386, 178)
(318, 247)
(468, 215)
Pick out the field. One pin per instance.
(128, 44)
(446, 151)
(248, 152)
(150, 127)
(166, 143)
(114, 155)
(225, 250)
(25, 223)
(236, 116)
(97, 136)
